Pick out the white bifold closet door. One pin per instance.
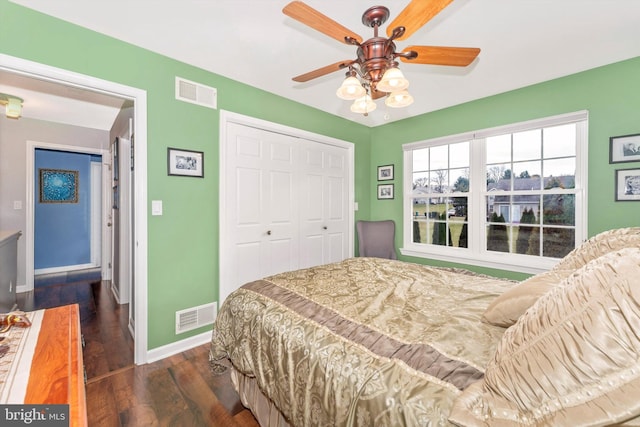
(286, 204)
(323, 201)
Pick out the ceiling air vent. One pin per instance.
(195, 317)
(196, 93)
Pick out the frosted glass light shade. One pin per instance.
(392, 81)
(13, 105)
(351, 88)
(14, 108)
(399, 99)
(363, 105)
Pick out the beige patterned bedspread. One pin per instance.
(362, 342)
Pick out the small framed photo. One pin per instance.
(624, 148)
(385, 191)
(185, 162)
(385, 173)
(628, 185)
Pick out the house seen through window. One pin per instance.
(510, 197)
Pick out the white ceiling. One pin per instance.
(522, 42)
(44, 100)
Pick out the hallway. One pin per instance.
(103, 322)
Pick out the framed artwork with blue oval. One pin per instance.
(58, 186)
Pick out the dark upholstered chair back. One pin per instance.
(377, 239)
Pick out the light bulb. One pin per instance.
(399, 99)
(351, 88)
(363, 105)
(392, 81)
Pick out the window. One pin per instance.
(512, 197)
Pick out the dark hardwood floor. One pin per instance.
(177, 391)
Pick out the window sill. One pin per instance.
(499, 261)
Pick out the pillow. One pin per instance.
(598, 245)
(508, 307)
(573, 359)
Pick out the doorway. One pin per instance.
(68, 215)
(138, 254)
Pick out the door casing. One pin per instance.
(139, 98)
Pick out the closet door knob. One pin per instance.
(268, 232)
(324, 227)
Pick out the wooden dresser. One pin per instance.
(56, 372)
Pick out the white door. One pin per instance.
(323, 204)
(262, 211)
(114, 222)
(121, 219)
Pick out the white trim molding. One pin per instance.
(139, 97)
(177, 347)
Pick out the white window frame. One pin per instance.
(476, 254)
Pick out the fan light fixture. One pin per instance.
(13, 105)
(393, 83)
(374, 73)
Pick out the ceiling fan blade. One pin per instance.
(442, 55)
(415, 15)
(322, 71)
(316, 20)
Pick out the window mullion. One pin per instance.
(582, 139)
(477, 189)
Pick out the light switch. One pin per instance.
(17, 205)
(355, 206)
(156, 207)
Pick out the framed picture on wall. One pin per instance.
(628, 185)
(58, 186)
(385, 191)
(624, 148)
(185, 162)
(385, 173)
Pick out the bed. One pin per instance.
(376, 342)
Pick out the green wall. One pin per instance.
(611, 94)
(183, 243)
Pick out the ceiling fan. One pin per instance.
(375, 73)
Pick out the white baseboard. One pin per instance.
(116, 292)
(64, 269)
(178, 346)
